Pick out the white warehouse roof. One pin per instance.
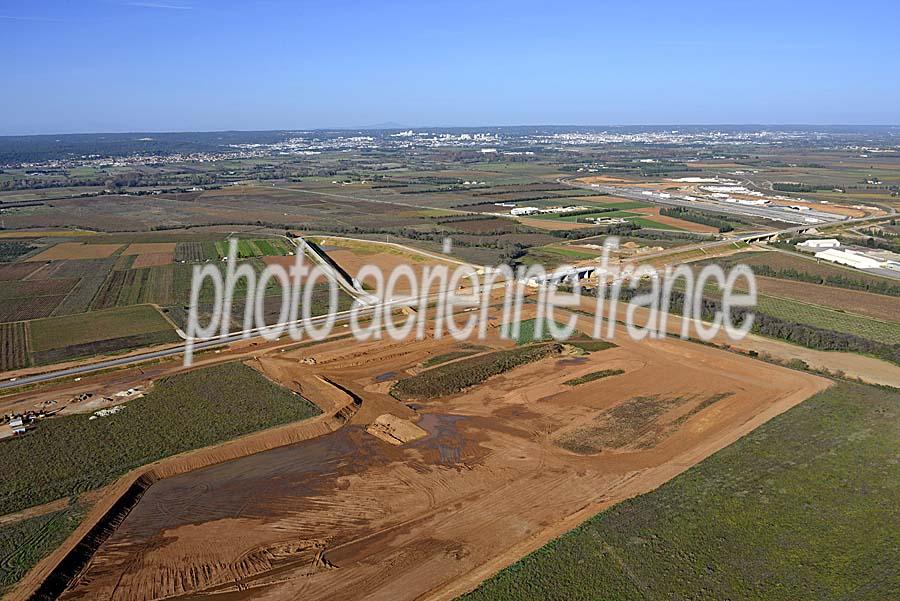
(821, 243)
(846, 257)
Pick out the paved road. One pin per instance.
(340, 317)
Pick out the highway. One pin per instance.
(638, 195)
(816, 218)
(339, 316)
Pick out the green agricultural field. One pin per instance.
(594, 375)
(188, 411)
(804, 507)
(24, 543)
(589, 345)
(13, 346)
(12, 250)
(528, 333)
(575, 218)
(648, 222)
(74, 336)
(551, 256)
(166, 285)
(30, 299)
(623, 205)
(263, 247)
(822, 317)
(196, 252)
(455, 377)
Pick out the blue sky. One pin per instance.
(182, 65)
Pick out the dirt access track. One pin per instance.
(349, 516)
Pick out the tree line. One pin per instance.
(697, 217)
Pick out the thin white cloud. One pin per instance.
(42, 19)
(157, 5)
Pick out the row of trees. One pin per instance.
(697, 217)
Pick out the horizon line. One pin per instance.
(392, 127)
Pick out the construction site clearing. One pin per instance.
(383, 499)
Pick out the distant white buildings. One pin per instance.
(819, 244)
(607, 220)
(548, 210)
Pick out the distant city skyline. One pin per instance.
(198, 65)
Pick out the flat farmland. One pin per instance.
(73, 268)
(255, 248)
(830, 319)
(196, 252)
(16, 271)
(554, 255)
(82, 295)
(13, 346)
(551, 224)
(18, 309)
(877, 306)
(71, 337)
(152, 260)
(489, 225)
(142, 248)
(36, 288)
(76, 250)
(680, 224)
(136, 286)
(164, 285)
(30, 299)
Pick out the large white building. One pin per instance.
(848, 257)
(819, 244)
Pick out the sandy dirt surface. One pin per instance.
(394, 430)
(32, 512)
(352, 260)
(868, 369)
(349, 516)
